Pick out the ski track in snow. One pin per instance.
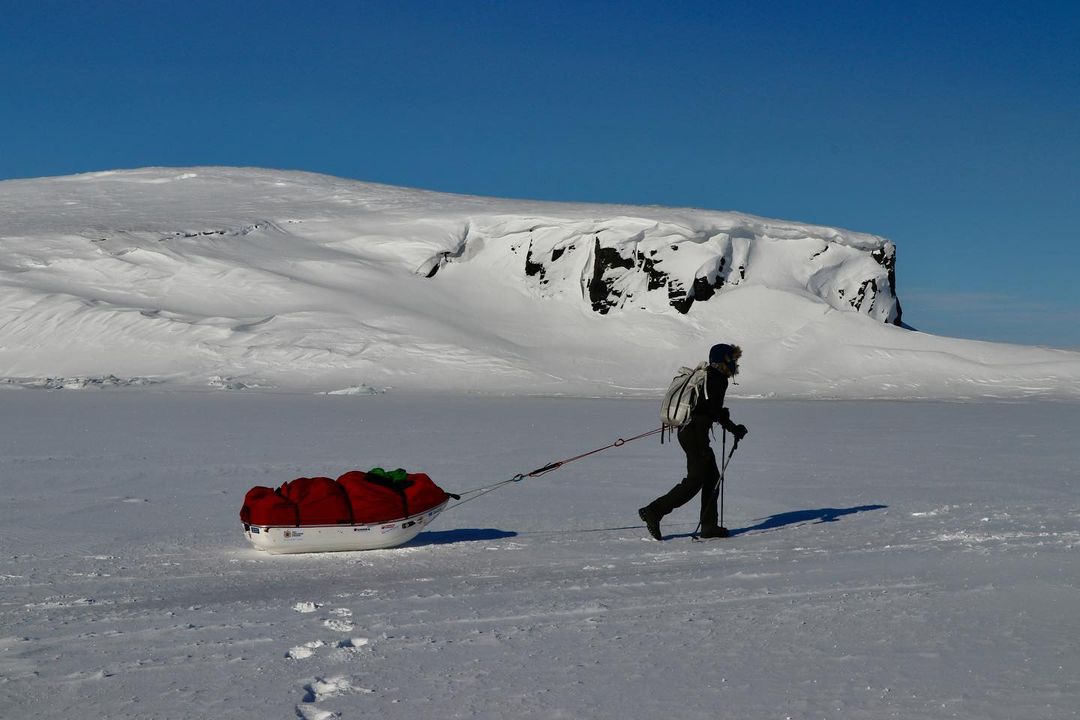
(889, 560)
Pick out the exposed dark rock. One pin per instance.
(630, 270)
(657, 278)
(678, 297)
(225, 232)
(533, 268)
(601, 285)
(888, 261)
(432, 265)
(443, 258)
(886, 257)
(703, 289)
(860, 297)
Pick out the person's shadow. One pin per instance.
(773, 522)
(802, 517)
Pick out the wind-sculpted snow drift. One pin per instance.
(242, 278)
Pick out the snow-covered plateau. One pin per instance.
(903, 512)
(239, 278)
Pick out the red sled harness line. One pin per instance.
(481, 491)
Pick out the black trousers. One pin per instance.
(702, 474)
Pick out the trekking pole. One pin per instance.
(720, 489)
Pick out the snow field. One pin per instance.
(240, 278)
(889, 559)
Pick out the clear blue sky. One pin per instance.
(951, 128)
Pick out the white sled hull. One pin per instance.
(279, 540)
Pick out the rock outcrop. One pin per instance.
(630, 263)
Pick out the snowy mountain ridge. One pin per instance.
(233, 278)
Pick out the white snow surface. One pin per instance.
(233, 279)
(889, 560)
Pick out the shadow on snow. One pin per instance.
(795, 517)
(444, 537)
(773, 522)
(802, 517)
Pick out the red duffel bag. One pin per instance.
(373, 500)
(422, 494)
(355, 497)
(319, 500)
(266, 506)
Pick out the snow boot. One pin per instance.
(714, 531)
(652, 521)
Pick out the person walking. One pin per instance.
(702, 473)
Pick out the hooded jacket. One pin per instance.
(710, 409)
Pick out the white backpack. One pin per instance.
(682, 395)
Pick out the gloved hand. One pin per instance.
(739, 432)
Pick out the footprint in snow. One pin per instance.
(343, 649)
(347, 649)
(321, 689)
(310, 712)
(353, 643)
(306, 607)
(85, 675)
(342, 625)
(302, 652)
